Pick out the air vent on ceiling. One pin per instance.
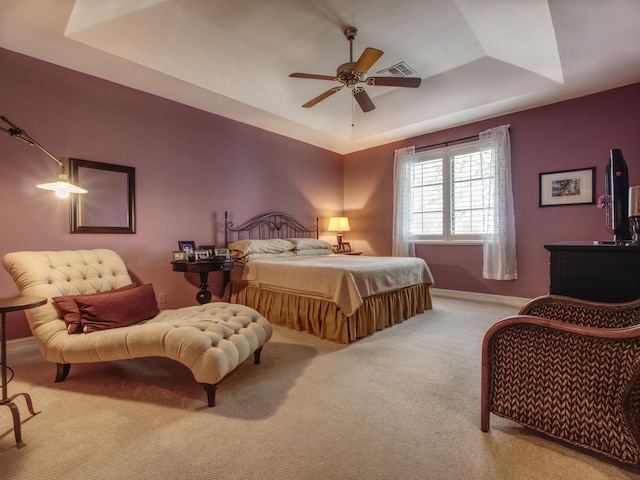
(398, 70)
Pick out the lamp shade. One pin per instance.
(62, 189)
(634, 201)
(338, 224)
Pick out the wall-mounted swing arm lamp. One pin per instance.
(62, 187)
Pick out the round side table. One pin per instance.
(7, 305)
(203, 267)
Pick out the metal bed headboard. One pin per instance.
(269, 225)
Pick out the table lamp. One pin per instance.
(339, 225)
(634, 213)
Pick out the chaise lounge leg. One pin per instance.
(211, 393)
(256, 356)
(62, 371)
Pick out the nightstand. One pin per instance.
(203, 267)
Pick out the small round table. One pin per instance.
(203, 267)
(15, 304)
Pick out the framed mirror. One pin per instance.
(109, 205)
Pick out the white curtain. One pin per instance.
(402, 245)
(499, 248)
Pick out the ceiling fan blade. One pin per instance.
(413, 82)
(321, 97)
(367, 59)
(313, 76)
(363, 99)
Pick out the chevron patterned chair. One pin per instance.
(570, 369)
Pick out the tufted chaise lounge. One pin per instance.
(211, 340)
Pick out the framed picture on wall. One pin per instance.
(568, 187)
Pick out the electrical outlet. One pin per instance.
(162, 298)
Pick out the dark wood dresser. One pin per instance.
(603, 273)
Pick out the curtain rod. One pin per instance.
(448, 142)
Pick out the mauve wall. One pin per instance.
(569, 135)
(191, 166)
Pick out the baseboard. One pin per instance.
(18, 344)
(480, 297)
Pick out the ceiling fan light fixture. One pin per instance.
(352, 73)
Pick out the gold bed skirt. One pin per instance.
(324, 319)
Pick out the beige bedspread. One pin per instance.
(343, 279)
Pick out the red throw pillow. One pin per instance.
(120, 309)
(69, 308)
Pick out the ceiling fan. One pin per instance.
(351, 74)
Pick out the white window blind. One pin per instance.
(448, 191)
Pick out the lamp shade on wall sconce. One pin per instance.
(339, 225)
(62, 187)
(634, 213)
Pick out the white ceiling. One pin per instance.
(476, 58)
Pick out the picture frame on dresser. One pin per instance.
(567, 187)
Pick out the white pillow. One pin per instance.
(245, 247)
(256, 256)
(309, 244)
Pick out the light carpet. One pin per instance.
(401, 404)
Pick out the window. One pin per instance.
(448, 188)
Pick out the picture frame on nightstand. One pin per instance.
(346, 247)
(189, 247)
(180, 256)
(202, 255)
(222, 254)
(209, 248)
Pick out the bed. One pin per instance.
(284, 271)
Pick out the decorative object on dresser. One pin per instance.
(568, 368)
(93, 292)
(634, 213)
(281, 269)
